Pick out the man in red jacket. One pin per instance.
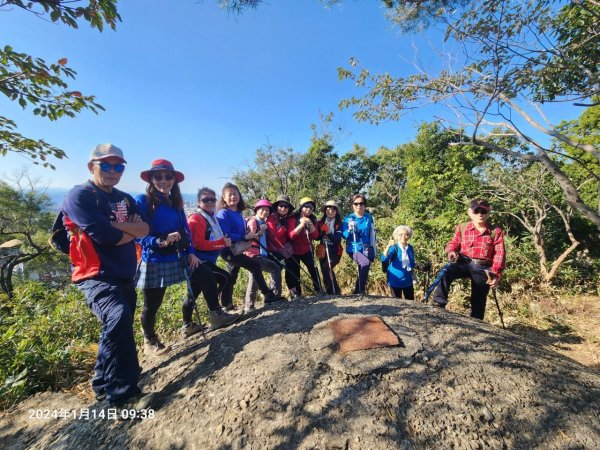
(476, 249)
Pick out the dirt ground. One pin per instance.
(277, 380)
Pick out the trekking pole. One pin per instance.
(435, 283)
(302, 269)
(283, 267)
(329, 264)
(190, 293)
(355, 245)
(312, 255)
(489, 279)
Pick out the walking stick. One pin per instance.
(489, 278)
(283, 266)
(312, 254)
(326, 238)
(302, 269)
(190, 293)
(355, 245)
(435, 283)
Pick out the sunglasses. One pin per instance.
(208, 199)
(161, 176)
(105, 167)
(331, 208)
(283, 206)
(359, 204)
(480, 211)
(309, 206)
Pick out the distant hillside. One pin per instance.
(58, 194)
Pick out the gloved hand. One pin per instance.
(325, 228)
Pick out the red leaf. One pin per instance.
(62, 61)
(76, 94)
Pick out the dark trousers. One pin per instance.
(290, 281)
(117, 370)
(364, 266)
(408, 292)
(294, 267)
(203, 281)
(479, 286)
(331, 284)
(222, 279)
(153, 298)
(234, 262)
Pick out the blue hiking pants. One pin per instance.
(117, 370)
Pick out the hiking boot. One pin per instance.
(294, 295)
(249, 309)
(229, 307)
(101, 396)
(136, 407)
(439, 305)
(219, 319)
(153, 347)
(190, 329)
(272, 298)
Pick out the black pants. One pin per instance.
(294, 267)
(290, 281)
(202, 281)
(234, 262)
(222, 279)
(479, 286)
(153, 298)
(408, 292)
(330, 287)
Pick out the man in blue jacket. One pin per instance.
(102, 223)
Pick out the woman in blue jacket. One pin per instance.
(361, 240)
(400, 257)
(163, 249)
(233, 226)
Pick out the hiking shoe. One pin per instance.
(272, 298)
(229, 307)
(136, 407)
(294, 295)
(153, 347)
(219, 319)
(190, 329)
(101, 396)
(439, 305)
(249, 309)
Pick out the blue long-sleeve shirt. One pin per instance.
(166, 219)
(232, 224)
(397, 276)
(363, 234)
(96, 254)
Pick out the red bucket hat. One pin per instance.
(161, 165)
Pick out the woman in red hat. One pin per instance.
(167, 254)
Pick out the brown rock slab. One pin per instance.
(362, 333)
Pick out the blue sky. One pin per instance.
(186, 81)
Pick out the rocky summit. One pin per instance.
(279, 380)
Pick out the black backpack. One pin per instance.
(59, 236)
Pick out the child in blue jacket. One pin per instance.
(400, 257)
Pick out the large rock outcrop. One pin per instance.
(277, 380)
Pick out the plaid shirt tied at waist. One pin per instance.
(484, 247)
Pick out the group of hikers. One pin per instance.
(105, 224)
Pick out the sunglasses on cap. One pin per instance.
(105, 167)
(480, 211)
(208, 199)
(162, 176)
(359, 204)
